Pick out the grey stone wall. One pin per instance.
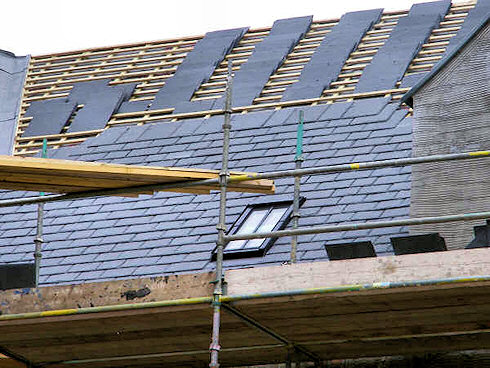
(452, 114)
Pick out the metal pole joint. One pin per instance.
(221, 227)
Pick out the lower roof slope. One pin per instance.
(105, 238)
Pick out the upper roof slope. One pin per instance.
(295, 59)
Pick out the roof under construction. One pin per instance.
(126, 280)
(103, 238)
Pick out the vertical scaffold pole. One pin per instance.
(221, 242)
(38, 241)
(298, 161)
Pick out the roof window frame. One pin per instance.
(267, 243)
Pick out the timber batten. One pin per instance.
(63, 176)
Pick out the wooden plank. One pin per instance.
(48, 174)
(95, 337)
(387, 322)
(146, 332)
(369, 301)
(6, 362)
(179, 339)
(402, 345)
(312, 320)
(423, 266)
(106, 293)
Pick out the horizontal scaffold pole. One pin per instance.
(363, 166)
(237, 298)
(239, 178)
(362, 226)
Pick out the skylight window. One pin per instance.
(257, 219)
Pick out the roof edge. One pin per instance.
(13, 74)
(408, 97)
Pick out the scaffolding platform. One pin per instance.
(396, 305)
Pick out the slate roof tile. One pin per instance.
(175, 233)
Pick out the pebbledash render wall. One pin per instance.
(452, 114)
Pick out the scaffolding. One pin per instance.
(219, 299)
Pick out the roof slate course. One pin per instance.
(329, 58)
(197, 67)
(392, 60)
(105, 238)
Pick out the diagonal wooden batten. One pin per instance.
(64, 176)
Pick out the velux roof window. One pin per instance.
(257, 219)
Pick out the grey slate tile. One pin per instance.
(391, 61)
(48, 117)
(371, 106)
(335, 111)
(475, 16)
(141, 235)
(196, 68)
(330, 56)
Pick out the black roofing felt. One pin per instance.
(479, 15)
(330, 56)
(106, 238)
(392, 60)
(12, 74)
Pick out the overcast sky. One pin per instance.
(46, 26)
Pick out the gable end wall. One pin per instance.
(452, 114)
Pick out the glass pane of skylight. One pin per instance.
(235, 244)
(268, 224)
(249, 226)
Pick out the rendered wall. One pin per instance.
(452, 114)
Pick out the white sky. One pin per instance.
(45, 26)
